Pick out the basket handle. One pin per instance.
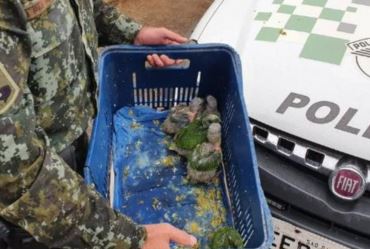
(182, 65)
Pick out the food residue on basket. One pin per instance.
(138, 144)
(131, 113)
(156, 122)
(127, 151)
(180, 198)
(169, 161)
(156, 204)
(193, 228)
(159, 182)
(143, 160)
(209, 202)
(126, 171)
(135, 125)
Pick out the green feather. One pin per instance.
(207, 161)
(191, 135)
(225, 238)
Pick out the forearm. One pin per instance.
(40, 193)
(113, 26)
(60, 210)
(38, 190)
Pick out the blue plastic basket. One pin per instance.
(213, 69)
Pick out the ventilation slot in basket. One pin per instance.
(229, 112)
(243, 219)
(151, 104)
(165, 97)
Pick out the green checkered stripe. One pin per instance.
(316, 23)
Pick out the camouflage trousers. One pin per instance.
(14, 237)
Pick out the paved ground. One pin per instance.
(178, 15)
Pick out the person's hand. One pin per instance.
(156, 60)
(159, 36)
(159, 236)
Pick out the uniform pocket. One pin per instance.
(57, 52)
(51, 27)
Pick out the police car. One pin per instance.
(306, 69)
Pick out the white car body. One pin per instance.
(273, 70)
(306, 76)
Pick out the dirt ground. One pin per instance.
(179, 15)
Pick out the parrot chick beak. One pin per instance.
(218, 148)
(191, 116)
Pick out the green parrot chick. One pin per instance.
(206, 158)
(181, 115)
(225, 238)
(189, 137)
(203, 163)
(177, 119)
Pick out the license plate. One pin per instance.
(288, 236)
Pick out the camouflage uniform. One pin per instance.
(48, 51)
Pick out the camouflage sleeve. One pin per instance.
(113, 26)
(38, 191)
